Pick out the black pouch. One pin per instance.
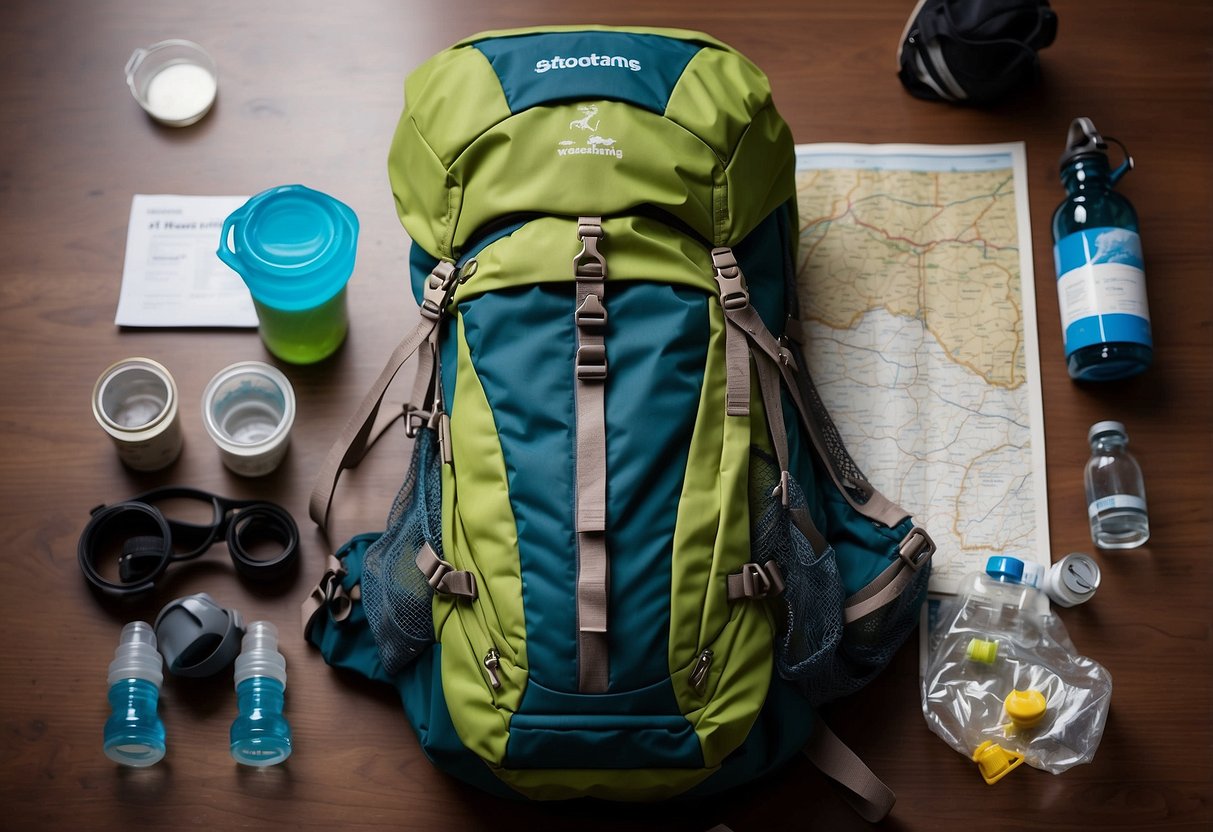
(973, 51)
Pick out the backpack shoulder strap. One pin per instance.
(359, 435)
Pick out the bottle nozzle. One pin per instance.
(259, 654)
(136, 656)
(1084, 141)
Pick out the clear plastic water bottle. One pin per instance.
(1116, 492)
(998, 603)
(134, 734)
(260, 736)
(1101, 282)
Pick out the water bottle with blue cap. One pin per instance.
(1101, 280)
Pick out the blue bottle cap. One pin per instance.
(1009, 570)
(293, 246)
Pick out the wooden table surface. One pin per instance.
(310, 92)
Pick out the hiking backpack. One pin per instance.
(631, 554)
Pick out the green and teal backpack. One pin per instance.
(631, 554)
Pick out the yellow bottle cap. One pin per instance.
(1025, 707)
(995, 762)
(980, 650)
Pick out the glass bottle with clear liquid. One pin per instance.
(1101, 284)
(1116, 492)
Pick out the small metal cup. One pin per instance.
(135, 402)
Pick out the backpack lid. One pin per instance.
(572, 121)
(973, 51)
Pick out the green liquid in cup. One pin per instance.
(304, 336)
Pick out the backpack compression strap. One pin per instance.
(358, 435)
(590, 316)
(864, 791)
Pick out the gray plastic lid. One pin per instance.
(1079, 574)
(1102, 428)
(197, 636)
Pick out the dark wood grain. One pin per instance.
(310, 92)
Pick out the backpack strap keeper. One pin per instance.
(755, 582)
(444, 578)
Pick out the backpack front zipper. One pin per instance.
(492, 661)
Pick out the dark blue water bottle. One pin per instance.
(1101, 282)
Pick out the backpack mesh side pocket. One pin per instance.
(808, 640)
(868, 643)
(395, 594)
(824, 656)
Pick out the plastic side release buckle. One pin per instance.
(916, 548)
(733, 292)
(444, 578)
(755, 582)
(589, 264)
(438, 288)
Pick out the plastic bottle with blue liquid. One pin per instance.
(260, 736)
(134, 734)
(1101, 283)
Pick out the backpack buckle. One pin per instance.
(438, 288)
(755, 582)
(591, 362)
(731, 282)
(330, 595)
(591, 313)
(589, 264)
(916, 548)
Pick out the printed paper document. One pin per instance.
(172, 276)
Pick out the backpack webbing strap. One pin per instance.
(877, 506)
(863, 790)
(914, 551)
(733, 295)
(590, 317)
(358, 435)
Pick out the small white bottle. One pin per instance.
(1116, 492)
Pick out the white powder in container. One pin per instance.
(180, 93)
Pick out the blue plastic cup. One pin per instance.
(294, 247)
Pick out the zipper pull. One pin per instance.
(699, 674)
(492, 661)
